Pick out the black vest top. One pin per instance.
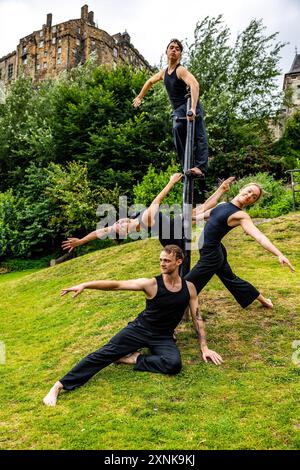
(169, 230)
(216, 227)
(163, 313)
(176, 88)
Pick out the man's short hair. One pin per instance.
(176, 250)
(176, 41)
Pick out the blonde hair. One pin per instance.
(261, 191)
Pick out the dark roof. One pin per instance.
(296, 64)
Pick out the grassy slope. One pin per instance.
(251, 402)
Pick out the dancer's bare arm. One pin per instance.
(149, 83)
(72, 243)
(148, 217)
(191, 81)
(200, 329)
(203, 211)
(243, 219)
(148, 286)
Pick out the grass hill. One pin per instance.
(250, 402)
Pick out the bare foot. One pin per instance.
(130, 359)
(267, 303)
(195, 171)
(51, 398)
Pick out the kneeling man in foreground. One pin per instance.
(167, 297)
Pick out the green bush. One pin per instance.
(153, 182)
(8, 223)
(276, 200)
(51, 204)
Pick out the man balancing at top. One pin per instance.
(176, 79)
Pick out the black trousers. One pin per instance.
(215, 262)
(200, 141)
(164, 358)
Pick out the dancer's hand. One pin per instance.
(283, 260)
(227, 183)
(212, 355)
(175, 178)
(136, 102)
(77, 289)
(70, 244)
(192, 118)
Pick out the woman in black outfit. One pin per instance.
(213, 256)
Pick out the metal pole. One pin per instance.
(188, 191)
(293, 192)
(293, 184)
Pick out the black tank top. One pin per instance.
(216, 227)
(176, 88)
(163, 313)
(169, 230)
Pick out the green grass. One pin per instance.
(13, 276)
(250, 402)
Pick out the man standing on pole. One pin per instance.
(176, 79)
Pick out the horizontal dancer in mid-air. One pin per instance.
(167, 297)
(169, 229)
(213, 256)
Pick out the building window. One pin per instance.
(45, 65)
(59, 41)
(115, 52)
(93, 43)
(38, 66)
(41, 44)
(78, 30)
(53, 40)
(41, 34)
(45, 53)
(37, 56)
(78, 42)
(10, 71)
(59, 50)
(59, 60)
(24, 50)
(54, 29)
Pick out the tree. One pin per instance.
(236, 82)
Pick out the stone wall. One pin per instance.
(53, 49)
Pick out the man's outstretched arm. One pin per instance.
(148, 217)
(149, 83)
(144, 284)
(200, 329)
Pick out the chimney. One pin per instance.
(84, 12)
(49, 20)
(91, 18)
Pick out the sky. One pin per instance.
(152, 23)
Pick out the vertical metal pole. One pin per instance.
(293, 191)
(188, 192)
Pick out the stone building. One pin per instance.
(54, 48)
(292, 82)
